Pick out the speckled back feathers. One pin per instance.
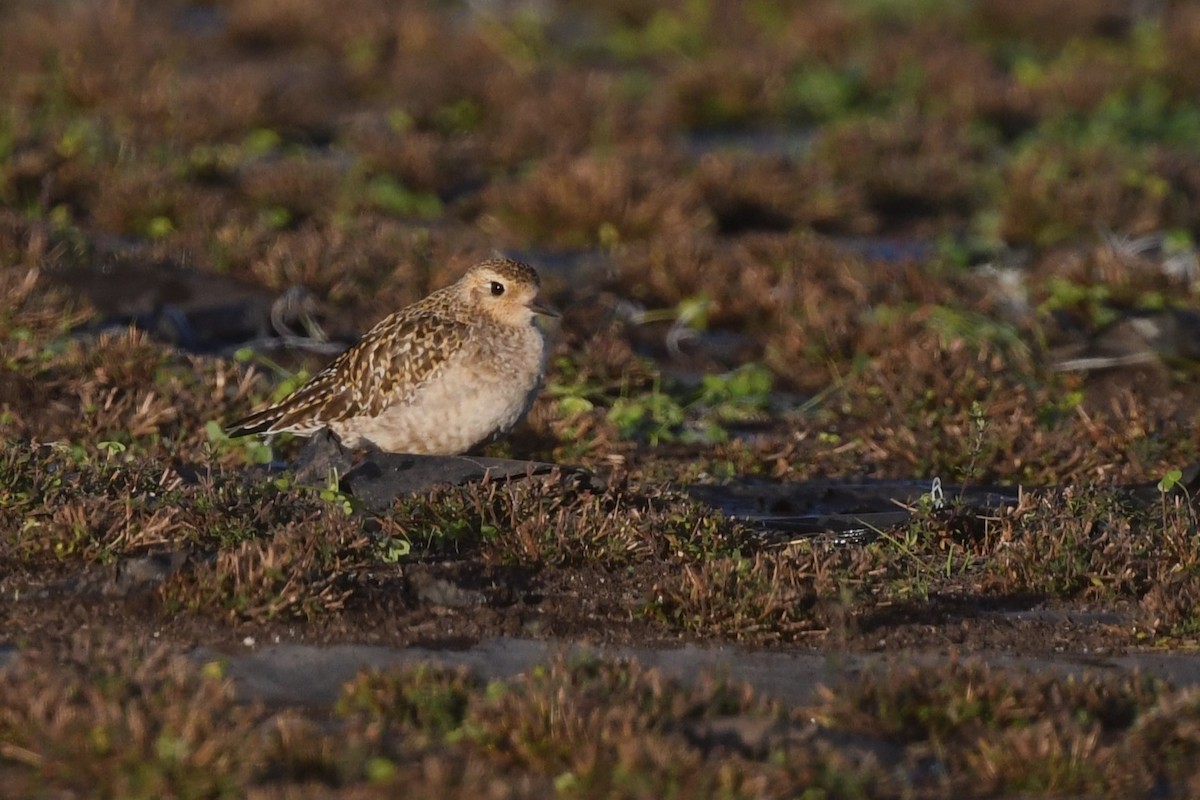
(406, 351)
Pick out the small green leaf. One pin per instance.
(573, 406)
(380, 770)
(111, 448)
(1170, 480)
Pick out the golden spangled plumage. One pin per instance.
(437, 377)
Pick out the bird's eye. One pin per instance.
(497, 288)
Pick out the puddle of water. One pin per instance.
(854, 511)
(195, 311)
(889, 251)
(793, 144)
(189, 309)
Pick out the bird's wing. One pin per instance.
(387, 366)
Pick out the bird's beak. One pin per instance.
(539, 307)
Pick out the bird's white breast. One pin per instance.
(484, 388)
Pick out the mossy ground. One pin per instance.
(744, 175)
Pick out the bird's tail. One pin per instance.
(261, 421)
(303, 412)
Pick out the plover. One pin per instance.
(437, 377)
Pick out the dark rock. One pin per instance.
(383, 477)
(322, 456)
(429, 589)
(143, 572)
(753, 737)
(376, 478)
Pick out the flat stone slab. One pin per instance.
(379, 478)
(384, 477)
(291, 674)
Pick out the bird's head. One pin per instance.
(505, 290)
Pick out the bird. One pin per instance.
(437, 377)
